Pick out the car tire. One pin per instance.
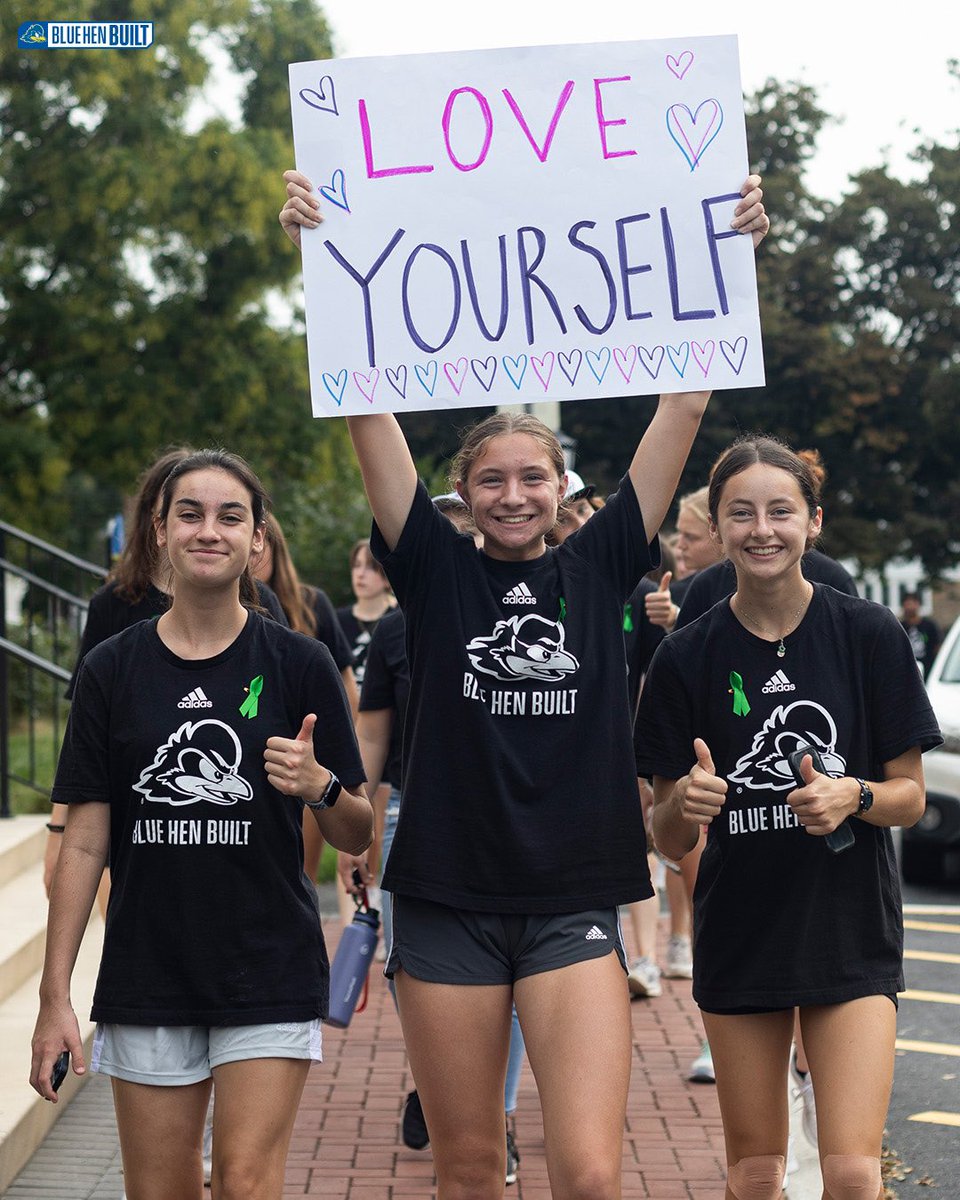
(922, 864)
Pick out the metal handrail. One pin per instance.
(54, 551)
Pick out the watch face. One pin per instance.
(866, 797)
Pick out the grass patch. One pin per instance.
(39, 768)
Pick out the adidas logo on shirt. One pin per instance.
(521, 594)
(195, 699)
(595, 934)
(778, 683)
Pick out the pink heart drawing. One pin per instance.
(336, 190)
(704, 355)
(543, 368)
(651, 360)
(734, 354)
(693, 132)
(398, 380)
(365, 382)
(456, 373)
(679, 356)
(324, 98)
(680, 66)
(626, 360)
(570, 364)
(484, 369)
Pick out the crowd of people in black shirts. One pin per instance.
(544, 702)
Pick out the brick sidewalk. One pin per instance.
(346, 1142)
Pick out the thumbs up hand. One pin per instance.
(702, 793)
(823, 803)
(290, 763)
(660, 608)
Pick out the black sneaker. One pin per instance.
(513, 1159)
(414, 1127)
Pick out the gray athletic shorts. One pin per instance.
(439, 944)
(177, 1055)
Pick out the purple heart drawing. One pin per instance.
(427, 376)
(651, 360)
(456, 373)
(335, 384)
(367, 383)
(543, 368)
(515, 368)
(703, 355)
(325, 95)
(336, 190)
(398, 380)
(570, 364)
(626, 360)
(693, 132)
(484, 369)
(679, 356)
(734, 354)
(678, 66)
(598, 361)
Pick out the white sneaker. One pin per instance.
(701, 1069)
(679, 958)
(803, 1086)
(643, 978)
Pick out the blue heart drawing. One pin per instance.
(335, 384)
(328, 98)
(336, 190)
(427, 376)
(679, 356)
(691, 134)
(515, 368)
(398, 380)
(598, 361)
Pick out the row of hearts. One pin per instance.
(486, 369)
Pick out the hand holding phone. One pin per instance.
(60, 1068)
(842, 837)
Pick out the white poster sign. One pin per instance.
(540, 223)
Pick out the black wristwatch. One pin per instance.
(331, 794)
(866, 798)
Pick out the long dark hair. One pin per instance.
(240, 469)
(296, 599)
(142, 559)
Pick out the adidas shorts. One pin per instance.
(178, 1055)
(439, 944)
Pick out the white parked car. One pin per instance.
(931, 849)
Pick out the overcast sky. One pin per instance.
(884, 79)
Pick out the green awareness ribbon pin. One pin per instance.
(563, 610)
(250, 706)
(741, 706)
(628, 618)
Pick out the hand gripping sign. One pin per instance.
(540, 223)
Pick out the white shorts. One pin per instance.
(179, 1055)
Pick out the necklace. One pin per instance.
(781, 648)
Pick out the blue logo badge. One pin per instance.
(85, 35)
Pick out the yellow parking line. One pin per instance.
(928, 1047)
(943, 910)
(932, 997)
(931, 956)
(937, 1118)
(932, 926)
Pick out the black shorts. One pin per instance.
(439, 944)
(748, 1010)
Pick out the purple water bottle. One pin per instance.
(351, 963)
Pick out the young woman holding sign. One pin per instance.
(789, 669)
(518, 732)
(193, 743)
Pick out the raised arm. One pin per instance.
(388, 470)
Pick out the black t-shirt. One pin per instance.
(109, 613)
(386, 684)
(640, 637)
(358, 634)
(925, 639)
(519, 793)
(711, 585)
(211, 920)
(779, 919)
(329, 630)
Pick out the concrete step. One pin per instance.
(25, 1119)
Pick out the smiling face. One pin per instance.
(208, 532)
(764, 523)
(513, 491)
